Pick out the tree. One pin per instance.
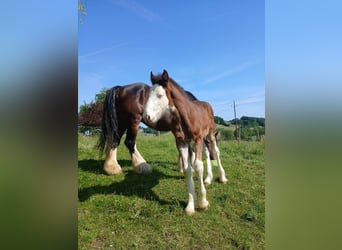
(250, 127)
(92, 115)
(221, 121)
(247, 121)
(85, 108)
(100, 97)
(90, 118)
(225, 134)
(81, 10)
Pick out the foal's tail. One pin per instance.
(109, 136)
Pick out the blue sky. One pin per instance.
(214, 49)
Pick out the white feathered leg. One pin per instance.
(209, 176)
(111, 165)
(223, 178)
(203, 203)
(184, 151)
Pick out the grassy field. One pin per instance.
(146, 212)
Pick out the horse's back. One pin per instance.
(134, 89)
(131, 98)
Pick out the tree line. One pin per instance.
(244, 128)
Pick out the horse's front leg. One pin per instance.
(139, 164)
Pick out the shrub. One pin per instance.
(225, 134)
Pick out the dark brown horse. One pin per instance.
(193, 124)
(122, 112)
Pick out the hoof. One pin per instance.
(189, 211)
(204, 205)
(113, 171)
(143, 168)
(207, 180)
(223, 180)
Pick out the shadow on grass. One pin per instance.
(96, 166)
(132, 185)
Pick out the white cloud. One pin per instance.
(229, 72)
(100, 51)
(138, 9)
(256, 97)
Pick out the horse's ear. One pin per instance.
(165, 76)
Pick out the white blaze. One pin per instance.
(157, 103)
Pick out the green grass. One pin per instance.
(147, 211)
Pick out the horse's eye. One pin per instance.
(159, 95)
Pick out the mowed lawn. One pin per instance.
(147, 211)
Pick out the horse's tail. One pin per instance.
(109, 136)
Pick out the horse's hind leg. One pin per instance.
(111, 165)
(139, 164)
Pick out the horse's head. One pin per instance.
(159, 101)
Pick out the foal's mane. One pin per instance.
(184, 92)
(187, 94)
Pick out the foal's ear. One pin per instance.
(165, 76)
(152, 77)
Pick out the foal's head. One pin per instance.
(159, 101)
(163, 81)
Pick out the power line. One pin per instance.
(237, 137)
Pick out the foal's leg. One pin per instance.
(181, 167)
(223, 178)
(184, 152)
(209, 177)
(180, 164)
(203, 203)
(139, 164)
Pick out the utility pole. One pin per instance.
(237, 129)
